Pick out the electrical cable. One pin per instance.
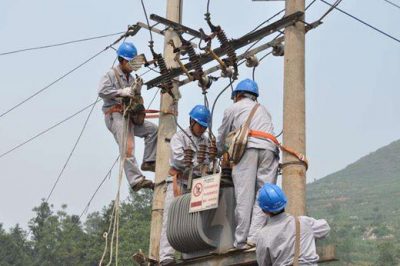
(216, 99)
(330, 9)
(72, 151)
(254, 68)
(269, 19)
(147, 20)
(48, 129)
(363, 22)
(265, 21)
(393, 4)
(184, 132)
(52, 83)
(98, 188)
(59, 44)
(154, 97)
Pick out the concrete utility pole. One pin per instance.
(294, 175)
(166, 129)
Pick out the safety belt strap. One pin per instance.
(114, 109)
(118, 78)
(297, 243)
(252, 112)
(176, 187)
(265, 135)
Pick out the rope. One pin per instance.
(105, 236)
(114, 221)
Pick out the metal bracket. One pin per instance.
(236, 44)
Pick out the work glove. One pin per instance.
(126, 92)
(137, 85)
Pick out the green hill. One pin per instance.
(361, 203)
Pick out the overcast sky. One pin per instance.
(352, 90)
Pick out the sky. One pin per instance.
(352, 90)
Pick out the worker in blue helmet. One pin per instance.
(276, 240)
(115, 86)
(192, 137)
(256, 165)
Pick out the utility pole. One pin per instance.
(166, 128)
(294, 174)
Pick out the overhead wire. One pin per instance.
(363, 22)
(231, 81)
(72, 151)
(48, 129)
(393, 4)
(332, 6)
(60, 44)
(52, 83)
(147, 20)
(108, 175)
(154, 97)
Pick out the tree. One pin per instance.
(387, 254)
(15, 249)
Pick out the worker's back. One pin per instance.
(276, 241)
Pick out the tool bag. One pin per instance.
(236, 141)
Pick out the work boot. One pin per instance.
(143, 183)
(168, 262)
(250, 246)
(148, 166)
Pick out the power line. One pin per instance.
(363, 22)
(259, 61)
(52, 83)
(154, 97)
(73, 149)
(332, 7)
(231, 81)
(98, 187)
(60, 44)
(47, 130)
(147, 20)
(393, 4)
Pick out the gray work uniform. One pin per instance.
(258, 165)
(109, 91)
(276, 241)
(178, 142)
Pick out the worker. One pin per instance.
(258, 163)
(276, 241)
(118, 87)
(177, 180)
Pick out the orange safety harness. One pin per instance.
(267, 136)
(118, 108)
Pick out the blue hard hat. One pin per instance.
(246, 85)
(127, 51)
(271, 198)
(201, 115)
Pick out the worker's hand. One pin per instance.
(126, 92)
(137, 85)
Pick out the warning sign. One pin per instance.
(205, 193)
